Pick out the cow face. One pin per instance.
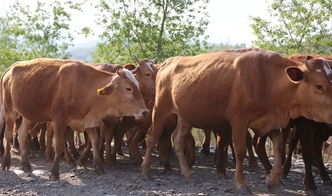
(315, 89)
(125, 94)
(145, 73)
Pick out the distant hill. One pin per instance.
(83, 51)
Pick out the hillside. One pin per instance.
(83, 51)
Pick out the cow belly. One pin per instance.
(268, 122)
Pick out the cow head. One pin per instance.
(314, 90)
(126, 96)
(145, 73)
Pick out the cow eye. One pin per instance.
(148, 74)
(319, 87)
(128, 89)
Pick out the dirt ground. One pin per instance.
(124, 179)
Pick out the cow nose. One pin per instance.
(145, 112)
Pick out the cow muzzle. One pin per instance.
(142, 114)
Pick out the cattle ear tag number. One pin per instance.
(294, 73)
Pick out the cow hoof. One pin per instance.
(111, 163)
(145, 169)
(223, 175)
(167, 168)
(26, 167)
(100, 171)
(71, 164)
(270, 183)
(187, 174)
(54, 178)
(244, 190)
(146, 177)
(81, 163)
(6, 164)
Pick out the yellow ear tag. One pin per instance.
(99, 90)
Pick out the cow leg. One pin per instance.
(224, 140)
(319, 160)
(2, 135)
(273, 178)
(306, 133)
(85, 154)
(253, 165)
(118, 139)
(68, 157)
(16, 145)
(71, 143)
(181, 132)
(190, 150)
(42, 138)
(35, 143)
(23, 137)
(291, 147)
(49, 156)
(261, 152)
(285, 134)
(101, 145)
(59, 133)
(154, 134)
(165, 148)
(8, 137)
(133, 145)
(206, 145)
(110, 156)
(239, 139)
(94, 138)
(17, 125)
(233, 151)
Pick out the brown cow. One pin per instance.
(241, 87)
(145, 73)
(68, 93)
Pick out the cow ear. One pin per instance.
(130, 66)
(294, 73)
(107, 90)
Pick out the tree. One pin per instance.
(42, 31)
(150, 28)
(296, 26)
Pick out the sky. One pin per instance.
(228, 22)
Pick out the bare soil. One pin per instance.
(124, 179)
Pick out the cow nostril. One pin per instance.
(145, 112)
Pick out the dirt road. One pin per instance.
(124, 179)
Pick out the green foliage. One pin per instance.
(41, 31)
(296, 26)
(150, 28)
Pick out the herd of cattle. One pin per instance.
(226, 92)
